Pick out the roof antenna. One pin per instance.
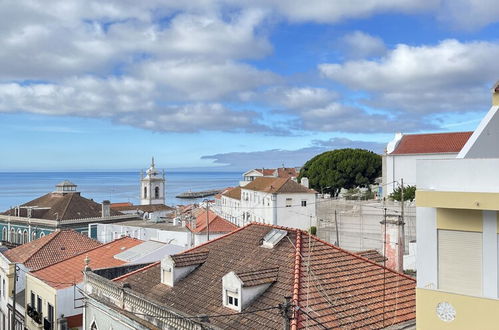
(152, 163)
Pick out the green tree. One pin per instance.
(342, 168)
(409, 193)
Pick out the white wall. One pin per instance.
(404, 167)
(427, 251)
(66, 303)
(472, 175)
(230, 209)
(296, 216)
(108, 232)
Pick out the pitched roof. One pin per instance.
(277, 185)
(50, 249)
(257, 277)
(285, 172)
(217, 223)
(61, 206)
(340, 289)
(431, 143)
(234, 193)
(372, 255)
(66, 272)
(189, 259)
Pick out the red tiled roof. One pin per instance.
(121, 204)
(234, 193)
(62, 206)
(277, 185)
(50, 249)
(62, 274)
(432, 143)
(283, 172)
(338, 288)
(217, 223)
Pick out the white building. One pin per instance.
(281, 172)
(152, 186)
(399, 161)
(270, 200)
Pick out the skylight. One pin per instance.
(273, 237)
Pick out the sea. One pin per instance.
(17, 188)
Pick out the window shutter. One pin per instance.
(460, 262)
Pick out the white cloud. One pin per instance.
(469, 14)
(203, 80)
(193, 118)
(298, 98)
(449, 76)
(361, 45)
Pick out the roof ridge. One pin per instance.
(86, 251)
(67, 206)
(55, 234)
(297, 279)
(413, 134)
(362, 258)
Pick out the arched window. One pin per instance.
(93, 326)
(12, 235)
(42, 234)
(145, 192)
(4, 234)
(156, 192)
(25, 236)
(33, 235)
(19, 239)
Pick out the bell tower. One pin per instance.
(152, 186)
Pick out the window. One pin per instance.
(288, 202)
(12, 235)
(156, 192)
(32, 299)
(303, 203)
(50, 315)
(3, 288)
(232, 299)
(42, 234)
(19, 239)
(93, 326)
(39, 304)
(4, 234)
(25, 236)
(33, 235)
(145, 192)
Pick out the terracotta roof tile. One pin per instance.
(234, 193)
(277, 185)
(50, 249)
(62, 206)
(432, 143)
(257, 277)
(372, 255)
(217, 223)
(340, 289)
(144, 208)
(189, 259)
(62, 274)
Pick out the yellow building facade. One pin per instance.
(457, 233)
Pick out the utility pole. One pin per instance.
(401, 231)
(13, 320)
(207, 220)
(336, 225)
(285, 309)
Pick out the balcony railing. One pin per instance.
(34, 314)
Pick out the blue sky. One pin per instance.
(230, 85)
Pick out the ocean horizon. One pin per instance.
(17, 188)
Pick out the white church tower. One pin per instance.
(152, 186)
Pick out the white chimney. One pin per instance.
(304, 182)
(106, 208)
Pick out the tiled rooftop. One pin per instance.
(340, 289)
(50, 249)
(277, 185)
(62, 274)
(432, 143)
(257, 277)
(189, 259)
(372, 255)
(234, 193)
(217, 223)
(62, 206)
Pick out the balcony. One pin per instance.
(34, 314)
(47, 325)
